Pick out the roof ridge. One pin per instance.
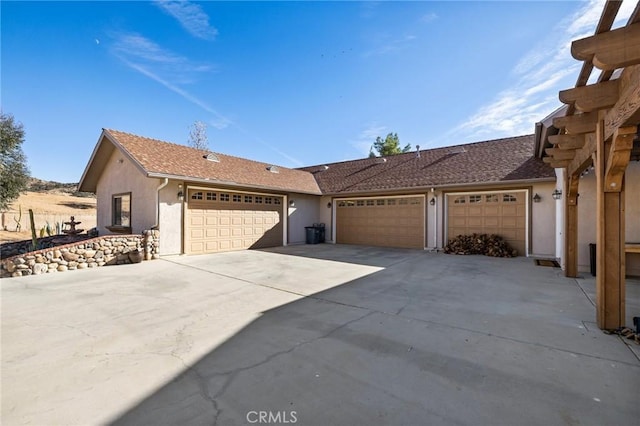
(199, 150)
(422, 151)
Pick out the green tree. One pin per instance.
(389, 145)
(14, 174)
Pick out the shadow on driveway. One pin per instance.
(421, 339)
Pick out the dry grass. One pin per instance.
(57, 203)
(49, 207)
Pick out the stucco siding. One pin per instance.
(305, 212)
(121, 176)
(170, 219)
(543, 214)
(587, 217)
(325, 215)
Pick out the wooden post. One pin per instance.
(610, 254)
(571, 225)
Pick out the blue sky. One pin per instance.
(287, 83)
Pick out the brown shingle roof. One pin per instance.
(164, 158)
(500, 160)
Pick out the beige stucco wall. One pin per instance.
(325, 215)
(170, 219)
(305, 212)
(543, 216)
(121, 177)
(587, 217)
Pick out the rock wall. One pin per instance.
(93, 253)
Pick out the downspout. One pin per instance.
(162, 185)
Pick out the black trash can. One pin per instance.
(313, 235)
(320, 228)
(592, 259)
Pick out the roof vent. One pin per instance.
(457, 150)
(325, 167)
(273, 169)
(417, 151)
(211, 157)
(381, 160)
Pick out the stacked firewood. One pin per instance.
(489, 245)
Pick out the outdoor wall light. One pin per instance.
(292, 203)
(556, 194)
(329, 205)
(537, 198)
(180, 194)
(432, 202)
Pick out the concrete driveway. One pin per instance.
(314, 335)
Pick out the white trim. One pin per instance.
(334, 206)
(527, 218)
(285, 218)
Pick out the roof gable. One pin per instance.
(163, 159)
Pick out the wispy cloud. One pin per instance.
(190, 16)
(363, 142)
(539, 75)
(171, 71)
(135, 48)
(428, 17)
(387, 44)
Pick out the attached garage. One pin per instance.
(381, 221)
(223, 221)
(503, 213)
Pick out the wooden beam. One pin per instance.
(626, 111)
(571, 225)
(567, 141)
(591, 97)
(560, 154)
(583, 157)
(618, 158)
(556, 164)
(576, 124)
(610, 235)
(618, 48)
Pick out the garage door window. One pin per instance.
(211, 196)
(460, 200)
(474, 199)
(508, 198)
(491, 198)
(224, 197)
(196, 196)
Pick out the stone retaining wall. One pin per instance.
(93, 253)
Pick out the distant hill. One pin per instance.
(52, 187)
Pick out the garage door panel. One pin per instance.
(230, 224)
(502, 213)
(390, 222)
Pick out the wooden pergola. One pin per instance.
(599, 127)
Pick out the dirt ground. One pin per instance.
(49, 207)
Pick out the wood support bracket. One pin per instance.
(618, 158)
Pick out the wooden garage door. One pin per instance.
(223, 221)
(386, 222)
(502, 213)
